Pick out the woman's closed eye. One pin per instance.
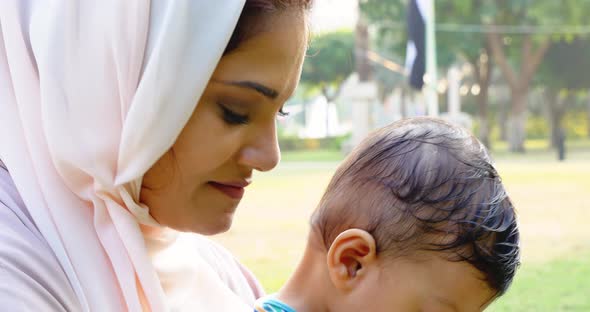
(233, 118)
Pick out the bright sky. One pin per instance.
(328, 15)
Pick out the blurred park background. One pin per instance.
(515, 72)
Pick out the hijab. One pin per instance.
(92, 93)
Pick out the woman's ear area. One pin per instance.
(351, 254)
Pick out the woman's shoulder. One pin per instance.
(30, 273)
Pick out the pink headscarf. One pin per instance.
(92, 93)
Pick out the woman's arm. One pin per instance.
(31, 278)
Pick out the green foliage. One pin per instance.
(567, 65)
(329, 60)
(296, 144)
(389, 17)
(459, 44)
(537, 127)
(535, 13)
(576, 125)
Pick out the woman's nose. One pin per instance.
(262, 151)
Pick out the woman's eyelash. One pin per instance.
(282, 113)
(232, 117)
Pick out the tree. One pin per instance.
(588, 112)
(519, 70)
(564, 73)
(518, 80)
(517, 55)
(390, 43)
(451, 48)
(472, 48)
(330, 60)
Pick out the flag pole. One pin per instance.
(431, 66)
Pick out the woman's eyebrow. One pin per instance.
(264, 90)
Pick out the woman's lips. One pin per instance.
(233, 190)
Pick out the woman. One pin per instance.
(107, 157)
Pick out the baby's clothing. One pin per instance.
(271, 304)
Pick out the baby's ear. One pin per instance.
(350, 256)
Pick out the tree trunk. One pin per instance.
(482, 104)
(517, 121)
(502, 120)
(552, 109)
(557, 108)
(483, 74)
(588, 112)
(484, 127)
(519, 82)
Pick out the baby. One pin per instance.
(415, 219)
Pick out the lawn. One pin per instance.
(556, 285)
(552, 200)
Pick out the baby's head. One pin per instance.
(417, 219)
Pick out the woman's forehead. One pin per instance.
(272, 57)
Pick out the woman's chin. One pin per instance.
(212, 227)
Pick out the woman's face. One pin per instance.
(197, 185)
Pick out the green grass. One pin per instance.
(552, 199)
(559, 285)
